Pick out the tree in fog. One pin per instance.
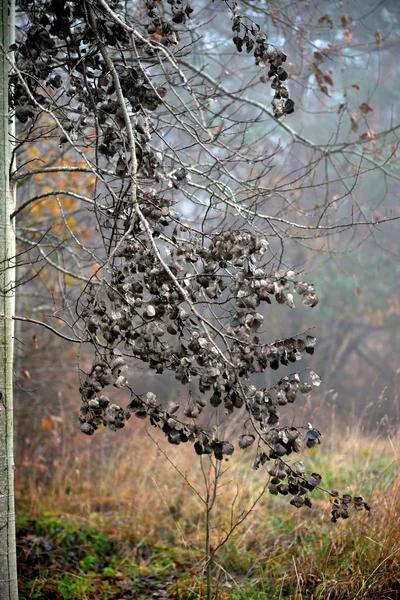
(163, 179)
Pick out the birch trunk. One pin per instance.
(8, 563)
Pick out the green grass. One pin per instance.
(64, 559)
(85, 546)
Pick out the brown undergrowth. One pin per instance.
(144, 499)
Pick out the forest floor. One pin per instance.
(136, 528)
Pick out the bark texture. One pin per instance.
(8, 566)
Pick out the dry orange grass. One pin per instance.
(146, 489)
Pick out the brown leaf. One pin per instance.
(348, 36)
(364, 136)
(355, 86)
(318, 74)
(365, 108)
(346, 19)
(378, 37)
(328, 79)
(324, 89)
(354, 124)
(26, 374)
(325, 20)
(318, 56)
(357, 292)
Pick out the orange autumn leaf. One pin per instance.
(47, 424)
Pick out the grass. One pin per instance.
(113, 519)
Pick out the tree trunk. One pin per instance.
(8, 562)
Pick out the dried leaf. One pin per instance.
(297, 501)
(246, 440)
(172, 407)
(354, 124)
(227, 448)
(324, 90)
(272, 488)
(301, 287)
(346, 19)
(348, 36)
(325, 20)
(365, 108)
(316, 379)
(310, 300)
(150, 311)
(305, 388)
(289, 300)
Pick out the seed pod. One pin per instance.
(172, 407)
(103, 402)
(149, 311)
(120, 382)
(297, 501)
(117, 361)
(87, 428)
(301, 287)
(273, 489)
(96, 386)
(105, 379)
(246, 440)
